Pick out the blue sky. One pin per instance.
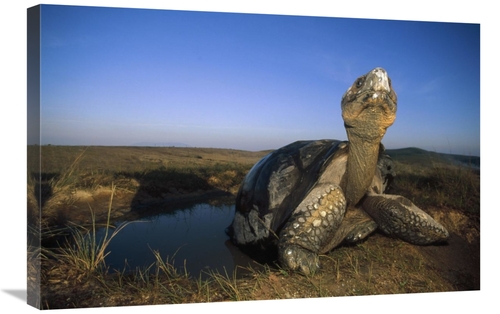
(114, 76)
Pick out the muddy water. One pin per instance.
(192, 236)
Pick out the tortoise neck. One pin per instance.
(361, 166)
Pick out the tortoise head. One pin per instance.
(368, 109)
(369, 105)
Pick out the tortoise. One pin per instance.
(309, 197)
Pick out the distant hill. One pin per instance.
(413, 154)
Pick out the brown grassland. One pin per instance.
(79, 187)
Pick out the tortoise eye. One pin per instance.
(359, 82)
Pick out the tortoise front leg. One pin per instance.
(311, 226)
(399, 217)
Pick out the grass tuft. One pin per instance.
(85, 251)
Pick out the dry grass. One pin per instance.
(99, 159)
(149, 170)
(79, 278)
(85, 251)
(439, 185)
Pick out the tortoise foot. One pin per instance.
(298, 258)
(361, 231)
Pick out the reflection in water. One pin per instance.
(194, 235)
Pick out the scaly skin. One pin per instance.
(311, 227)
(399, 217)
(368, 109)
(320, 224)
